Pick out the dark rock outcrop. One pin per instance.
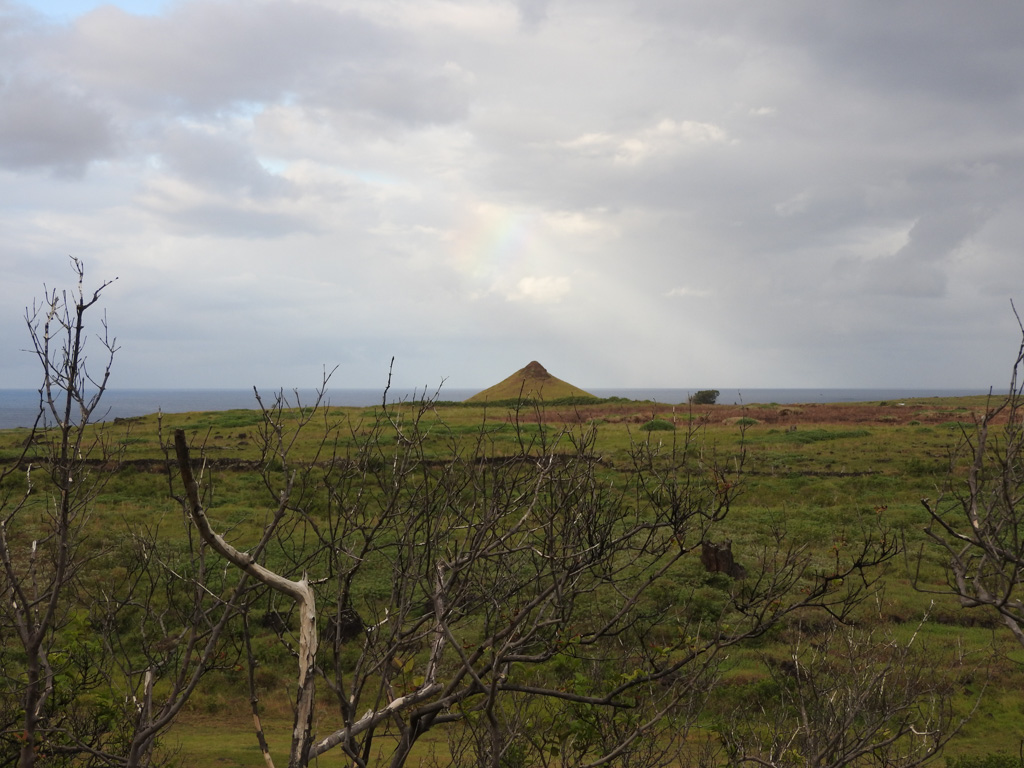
(718, 558)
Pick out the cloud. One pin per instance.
(207, 56)
(794, 205)
(666, 137)
(233, 221)
(395, 91)
(218, 160)
(44, 124)
(937, 233)
(429, 176)
(532, 13)
(919, 268)
(546, 289)
(684, 291)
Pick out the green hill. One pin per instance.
(530, 383)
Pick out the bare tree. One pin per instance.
(846, 697)
(161, 614)
(978, 521)
(498, 579)
(102, 639)
(42, 546)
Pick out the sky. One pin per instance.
(660, 193)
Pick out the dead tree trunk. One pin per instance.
(299, 591)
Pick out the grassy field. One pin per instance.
(822, 474)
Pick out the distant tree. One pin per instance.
(705, 397)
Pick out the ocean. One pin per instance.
(18, 407)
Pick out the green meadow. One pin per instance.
(820, 477)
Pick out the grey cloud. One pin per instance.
(937, 233)
(942, 47)
(396, 91)
(44, 125)
(111, 74)
(221, 162)
(20, 28)
(966, 51)
(412, 139)
(860, 163)
(919, 268)
(532, 13)
(208, 56)
(899, 277)
(230, 221)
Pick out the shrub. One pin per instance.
(658, 425)
(704, 397)
(741, 421)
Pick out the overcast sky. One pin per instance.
(664, 193)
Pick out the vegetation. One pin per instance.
(658, 425)
(705, 397)
(538, 584)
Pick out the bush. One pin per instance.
(704, 397)
(741, 421)
(658, 425)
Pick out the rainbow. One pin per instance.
(498, 244)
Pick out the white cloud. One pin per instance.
(580, 223)
(666, 137)
(794, 205)
(686, 291)
(546, 289)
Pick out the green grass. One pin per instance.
(823, 483)
(805, 436)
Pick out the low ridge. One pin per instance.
(533, 382)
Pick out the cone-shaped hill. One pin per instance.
(530, 383)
